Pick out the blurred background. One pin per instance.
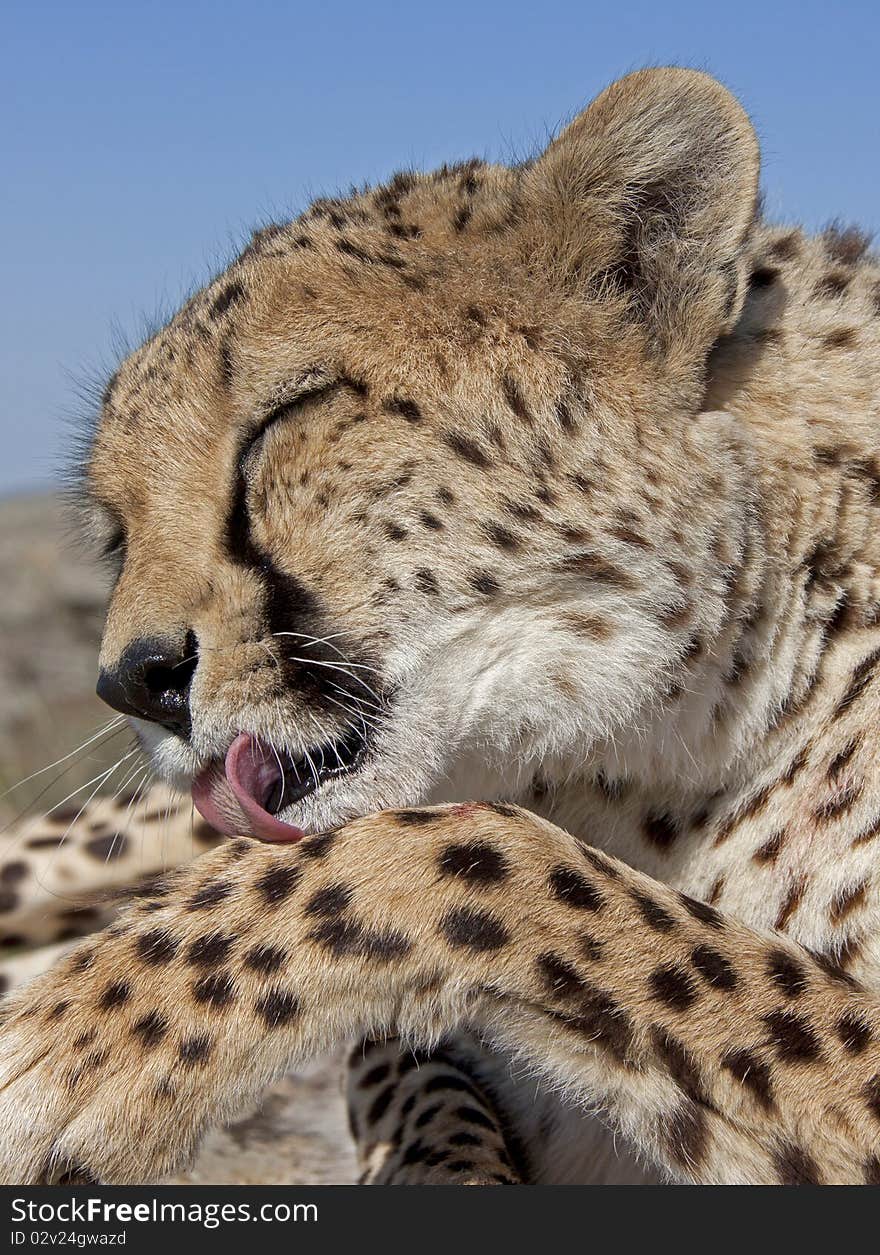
(140, 145)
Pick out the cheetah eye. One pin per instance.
(114, 546)
(288, 408)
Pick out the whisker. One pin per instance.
(359, 700)
(115, 724)
(373, 720)
(335, 666)
(15, 818)
(101, 779)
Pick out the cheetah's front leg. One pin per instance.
(725, 1054)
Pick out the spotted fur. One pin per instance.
(564, 480)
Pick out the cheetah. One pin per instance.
(497, 563)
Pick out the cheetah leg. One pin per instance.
(726, 1055)
(419, 1118)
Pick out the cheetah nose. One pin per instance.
(152, 681)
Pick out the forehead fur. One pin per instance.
(424, 283)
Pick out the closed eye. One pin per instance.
(279, 414)
(114, 545)
(113, 550)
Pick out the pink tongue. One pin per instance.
(230, 798)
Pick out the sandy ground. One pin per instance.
(51, 609)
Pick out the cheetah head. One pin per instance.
(400, 504)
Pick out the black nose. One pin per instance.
(152, 681)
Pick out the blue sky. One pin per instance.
(142, 141)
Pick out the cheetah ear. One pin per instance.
(648, 197)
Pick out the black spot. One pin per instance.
(854, 1032)
(787, 972)
(231, 294)
(157, 946)
(446, 1083)
(752, 1073)
(600, 862)
(13, 872)
(210, 951)
(859, 681)
(430, 521)
(331, 900)
(209, 895)
(597, 1017)
(417, 818)
(348, 937)
(426, 581)
(502, 537)
(404, 407)
(660, 830)
(792, 1037)
(106, 848)
(217, 990)
(265, 959)
(684, 1133)
(560, 977)
(277, 1008)
(151, 1028)
(477, 863)
(871, 1094)
(380, 1104)
(416, 1152)
(318, 846)
(467, 449)
(654, 914)
(515, 399)
(473, 930)
(465, 1139)
(872, 1166)
(795, 1166)
(831, 965)
(425, 1117)
(702, 911)
(673, 985)
(679, 1062)
(351, 250)
(461, 217)
(278, 883)
(840, 338)
(472, 1115)
(763, 277)
(575, 890)
(375, 1076)
(195, 1049)
(115, 995)
(8, 900)
(504, 809)
(714, 968)
(383, 944)
(484, 583)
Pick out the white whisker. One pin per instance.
(114, 724)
